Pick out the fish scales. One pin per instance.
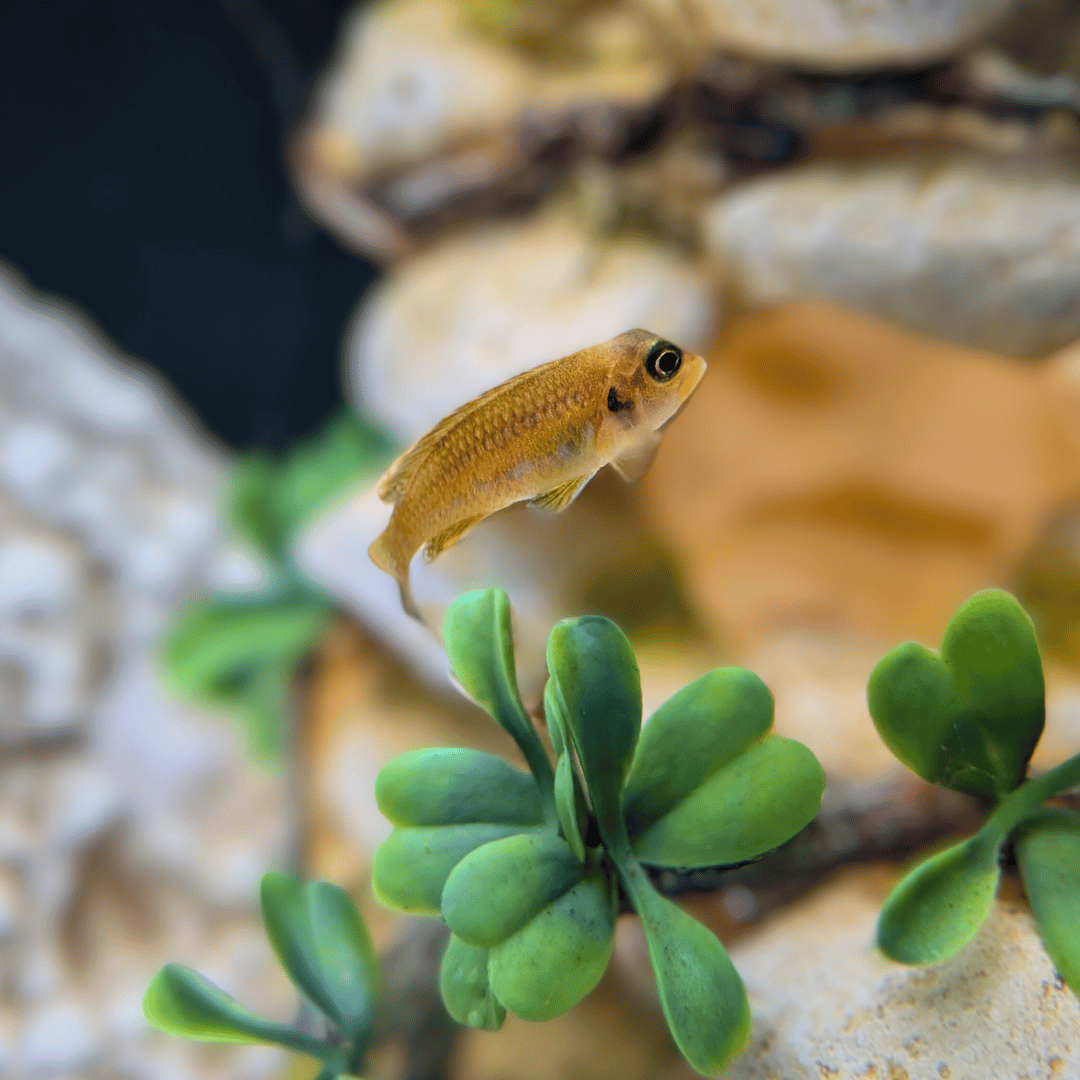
(538, 437)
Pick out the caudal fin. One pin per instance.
(395, 563)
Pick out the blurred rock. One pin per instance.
(835, 475)
(983, 254)
(132, 831)
(830, 35)
(825, 1003)
(436, 110)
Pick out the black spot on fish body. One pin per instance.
(614, 404)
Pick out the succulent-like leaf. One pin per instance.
(700, 991)
(969, 719)
(570, 805)
(324, 947)
(344, 451)
(695, 733)
(181, 1002)
(755, 802)
(250, 502)
(599, 691)
(1048, 851)
(556, 722)
(553, 961)
(479, 642)
(411, 866)
(216, 644)
(498, 888)
(463, 983)
(939, 906)
(456, 786)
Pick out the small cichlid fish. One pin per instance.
(539, 437)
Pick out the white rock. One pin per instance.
(834, 35)
(825, 1003)
(35, 457)
(59, 1038)
(39, 578)
(981, 254)
(83, 800)
(474, 311)
(412, 79)
(10, 902)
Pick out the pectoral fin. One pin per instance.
(633, 463)
(559, 498)
(449, 537)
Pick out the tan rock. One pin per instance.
(826, 1004)
(831, 35)
(838, 475)
(984, 254)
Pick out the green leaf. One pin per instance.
(556, 722)
(463, 983)
(242, 655)
(969, 719)
(180, 1001)
(938, 907)
(216, 645)
(344, 451)
(754, 803)
(553, 961)
(456, 786)
(570, 805)
(598, 689)
(1048, 851)
(479, 642)
(250, 503)
(498, 888)
(411, 866)
(695, 733)
(324, 947)
(700, 991)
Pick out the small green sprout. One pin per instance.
(527, 870)
(323, 945)
(969, 719)
(241, 651)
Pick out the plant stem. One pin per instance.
(1026, 798)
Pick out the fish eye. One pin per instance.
(663, 361)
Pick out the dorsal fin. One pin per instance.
(397, 477)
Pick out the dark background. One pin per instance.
(142, 176)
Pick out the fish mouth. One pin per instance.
(690, 384)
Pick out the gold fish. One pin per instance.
(539, 437)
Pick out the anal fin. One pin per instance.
(559, 498)
(449, 537)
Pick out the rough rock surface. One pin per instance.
(825, 1004)
(833, 35)
(412, 78)
(474, 311)
(132, 830)
(984, 254)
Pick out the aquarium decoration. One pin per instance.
(240, 652)
(529, 870)
(969, 719)
(324, 946)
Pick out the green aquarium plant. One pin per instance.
(240, 652)
(323, 945)
(969, 718)
(527, 868)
